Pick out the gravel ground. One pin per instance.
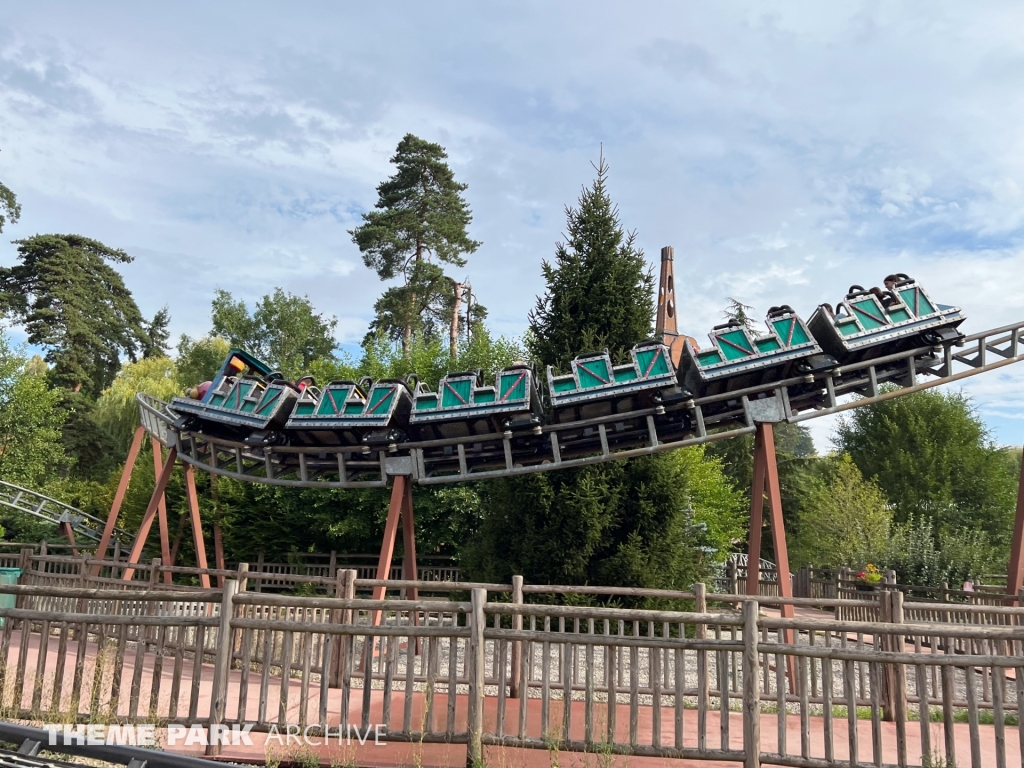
(640, 659)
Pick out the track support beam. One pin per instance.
(399, 511)
(1015, 573)
(165, 533)
(163, 477)
(766, 483)
(197, 524)
(122, 489)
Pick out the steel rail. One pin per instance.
(592, 441)
(33, 503)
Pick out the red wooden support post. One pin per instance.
(766, 482)
(399, 490)
(409, 570)
(756, 519)
(218, 553)
(122, 488)
(775, 512)
(69, 534)
(150, 514)
(165, 537)
(197, 524)
(1015, 574)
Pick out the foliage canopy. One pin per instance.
(600, 289)
(30, 420)
(931, 456)
(74, 303)
(420, 215)
(284, 330)
(845, 520)
(10, 209)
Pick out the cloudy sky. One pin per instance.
(784, 150)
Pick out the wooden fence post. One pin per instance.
(259, 569)
(154, 572)
(222, 663)
(25, 559)
(477, 623)
(885, 643)
(899, 678)
(517, 645)
(344, 588)
(751, 688)
(700, 593)
(243, 576)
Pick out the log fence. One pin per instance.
(486, 666)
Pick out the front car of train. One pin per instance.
(245, 399)
(873, 323)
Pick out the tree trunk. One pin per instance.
(453, 331)
(413, 312)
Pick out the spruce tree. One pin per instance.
(657, 521)
(421, 216)
(600, 289)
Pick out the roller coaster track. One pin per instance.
(36, 504)
(582, 443)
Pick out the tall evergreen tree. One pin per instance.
(651, 522)
(600, 289)
(420, 216)
(157, 334)
(75, 305)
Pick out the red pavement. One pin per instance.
(429, 755)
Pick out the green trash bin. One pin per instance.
(8, 576)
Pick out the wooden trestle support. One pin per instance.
(163, 468)
(1015, 572)
(766, 483)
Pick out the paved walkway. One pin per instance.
(429, 755)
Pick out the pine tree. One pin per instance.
(739, 313)
(75, 304)
(600, 288)
(10, 210)
(420, 216)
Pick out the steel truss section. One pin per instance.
(609, 438)
(53, 511)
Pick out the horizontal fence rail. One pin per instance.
(723, 678)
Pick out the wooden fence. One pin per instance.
(720, 681)
(267, 576)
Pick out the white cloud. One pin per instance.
(785, 154)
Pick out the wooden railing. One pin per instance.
(718, 682)
(313, 568)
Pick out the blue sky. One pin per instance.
(784, 150)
